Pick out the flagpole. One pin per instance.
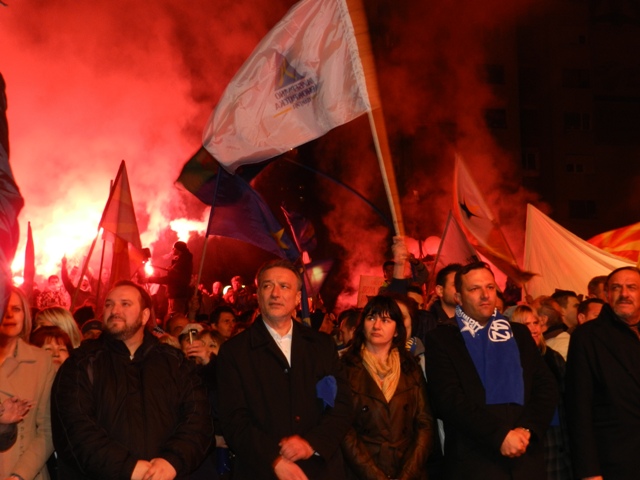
(322, 174)
(104, 244)
(84, 271)
(435, 263)
(206, 238)
(295, 241)
(376, 116)
(304, 304)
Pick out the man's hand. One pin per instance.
(160, 470)
(295, 448)
(14, 410)
(515, 443)
(399, 249)
(140, 470)
(287, 470)
(198, 352)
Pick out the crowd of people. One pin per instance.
(458, 384)
(463, 382)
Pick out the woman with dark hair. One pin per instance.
(409, 309)
(53, 340)
(391, 434)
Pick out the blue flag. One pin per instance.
(239, 212)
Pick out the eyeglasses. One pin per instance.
(373, 318)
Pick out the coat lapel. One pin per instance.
(261, 338)
(627, 358)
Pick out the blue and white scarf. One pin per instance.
(496, 357)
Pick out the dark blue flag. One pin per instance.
(239, 212)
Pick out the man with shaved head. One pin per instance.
(603, 384)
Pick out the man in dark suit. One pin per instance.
(603, 384)
(283, 399)
(488, 383)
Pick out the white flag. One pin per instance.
(303, 79)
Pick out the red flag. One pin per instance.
(121, 229)
(482, 230)
(454, 248)
(29, 264)
(624, 242)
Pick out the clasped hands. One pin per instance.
(156, 469)
(515, 443)
(292, 449)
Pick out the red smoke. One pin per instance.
(92, 83)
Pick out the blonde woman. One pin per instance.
(25, 372)
(556, 441)
(62, 318)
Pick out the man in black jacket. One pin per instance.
(488, 383)
(125, 406)
(283, 396)
(603, 384)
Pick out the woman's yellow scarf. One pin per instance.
(386, 375)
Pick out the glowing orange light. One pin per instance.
(184, 227)
(148, 268)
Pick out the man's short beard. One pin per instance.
(126, 331)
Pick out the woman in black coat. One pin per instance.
(391, 433)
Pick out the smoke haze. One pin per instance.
(92, 83)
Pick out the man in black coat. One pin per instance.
(603, 384)
(488, 383)
(125, 406)
(283, 398)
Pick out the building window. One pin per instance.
(530, 162)
(496, 118)
(577, 121)
(576, 78)
(493, 74)
(582, 209)
(575, 168)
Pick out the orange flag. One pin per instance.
(624, 242)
